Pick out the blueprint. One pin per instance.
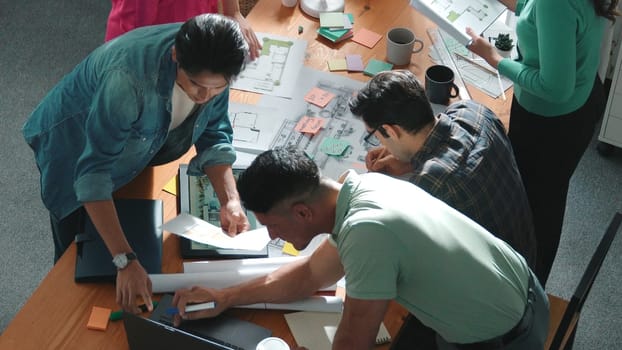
(454, 16)
(275, 71)
(341, 127)
(254, 127)
(472, 69)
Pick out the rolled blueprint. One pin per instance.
(264, 264)
(318, 303)
(168, 283)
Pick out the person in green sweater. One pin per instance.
(558, 100)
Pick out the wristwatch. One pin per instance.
(121, 260)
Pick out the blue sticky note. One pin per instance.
(375, 66)
(334, 147)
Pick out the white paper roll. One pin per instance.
(318, 303)
(169, 283)
(267, 264)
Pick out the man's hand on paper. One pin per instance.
(233, 220)
(254, 46)
(133, 281)
(483, 48)
(197, 295)
(380, 160)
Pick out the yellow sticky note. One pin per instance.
(288, 248)
(337, 64)
(171, 186)
(319, 97)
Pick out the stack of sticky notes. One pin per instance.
(336, 26)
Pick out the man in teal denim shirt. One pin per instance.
(142, 99)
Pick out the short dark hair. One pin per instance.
(393, 97)
(211, 42)
(276, 175)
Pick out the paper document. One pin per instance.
(201, 231)
(254, 127)
(453, 16)
(316, 330)
(275, 71)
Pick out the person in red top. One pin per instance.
(127, 15)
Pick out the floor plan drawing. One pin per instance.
(276, 69)
(479, 75)
(454, 16)
(254, 127)
(340, 123)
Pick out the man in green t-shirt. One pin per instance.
(392, 241)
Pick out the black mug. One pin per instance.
(439, 84)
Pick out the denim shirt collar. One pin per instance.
(166, 78)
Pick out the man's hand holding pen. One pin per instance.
(381, 160)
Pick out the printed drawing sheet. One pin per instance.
(454, 16)
(254, 127)
(275, 71)
(339, 144)
(478, 75)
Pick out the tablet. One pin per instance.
(197, 197)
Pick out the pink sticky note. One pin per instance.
(354, 63)
(319, 97)
(310, 125)
(366, 37)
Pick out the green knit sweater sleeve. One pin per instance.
(548, 68)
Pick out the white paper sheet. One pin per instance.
(275, 71)
(316, 331)
(201, 231)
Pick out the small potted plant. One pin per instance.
(504, 44)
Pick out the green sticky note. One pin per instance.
(332, 35)
(334, 147)
(331, 19)
(375, 66)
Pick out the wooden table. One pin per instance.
(55, 316)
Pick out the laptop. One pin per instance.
(219, 333)
(197, 197)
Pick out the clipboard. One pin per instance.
(196, 197)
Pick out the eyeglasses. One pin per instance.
(371, 139)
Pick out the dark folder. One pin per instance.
(141, 220)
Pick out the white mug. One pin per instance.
(400, 45)
(272, 343)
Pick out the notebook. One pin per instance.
(141, 220)
(220, 333)
(316, 330)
